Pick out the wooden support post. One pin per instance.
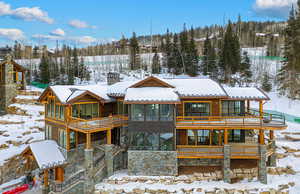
(248, 106)
(225, 136)
(46, 178)
(210, 136)
(88, 141)
(17, 77)
(23, 80)
(59, 174)
(76, 138)
(108, 136)
(271, 135)
(220, 137)
(261, 114)
(68, 139)
(261, 137)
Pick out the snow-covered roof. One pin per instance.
(151, 94)
(47, 154)
(66, 93)
(246, 93)
(197, 87)
(119, 89)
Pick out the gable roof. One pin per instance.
(46, 154)
(151, 94)
(159, 83)
(16, 65)
(70, 93)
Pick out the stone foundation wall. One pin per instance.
(152, 163)
(199, 162)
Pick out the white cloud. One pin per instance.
(25, 13)
(72, 39)
(58, 32)
(11, 34)
(80, 24)
(85, 39)
(273, 8)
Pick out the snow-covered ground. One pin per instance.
(16, 130)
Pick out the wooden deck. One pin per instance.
(97, 124)
(230, 122)
(238, 151)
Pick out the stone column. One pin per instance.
(88, 163)
(109, 159)
(272, 158)
(226, 164)
(262, 165)
(45, 190)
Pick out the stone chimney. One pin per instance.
(112, 78)
(7, 87)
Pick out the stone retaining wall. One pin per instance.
(199, 162)
(152, 163)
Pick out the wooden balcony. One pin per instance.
(238, 151)
(231, 122)
(97, 124)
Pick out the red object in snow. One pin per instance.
(18, 190)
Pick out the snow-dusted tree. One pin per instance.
(266, 83)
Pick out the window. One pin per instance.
(137, 112)
(57, 109)
(233, 108)
(152, 112)
(72, 139)
(192, 137)
(85, 111)
(62, 138)
(203, 137)
(150, 141)
(237, 136)
(166, 112)
(198, 137)
(197, 109)
(166, 141)
(62, 113)
(48, 132)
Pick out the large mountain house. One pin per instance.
(155, 127)
(12, 78)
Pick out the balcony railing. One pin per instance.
(102, 123)
(238, 151)
(247, 121)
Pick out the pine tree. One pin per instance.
(176, 57)
(75, 63)
(288, 76)
(209, 66)
(135, 62)
(245, 70)
(230, 57)
(192, 56)
(266, 83)
(156, 64)
(44, 70)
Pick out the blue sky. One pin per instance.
(91, 21)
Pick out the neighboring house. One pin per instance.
(12, 78)
(157, 127)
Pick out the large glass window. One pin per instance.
(150, 141)
(48, 132)
(85, 111)
(237, 136)
(233, 108)
(203, 137)
(152, 112)
(62, 113)
(166, 112)
(197, 109)
(72, 139)
(192, 137)
(137, 112)
(62, 138)
(198, 137)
